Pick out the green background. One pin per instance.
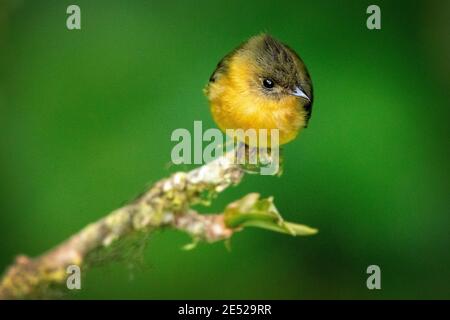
(86, 118)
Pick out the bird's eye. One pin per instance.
(268, 83)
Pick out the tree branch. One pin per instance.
(165, 205)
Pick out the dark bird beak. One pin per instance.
(300, 93)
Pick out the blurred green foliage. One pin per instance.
(87, 117)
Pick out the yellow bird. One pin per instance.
(262, 84)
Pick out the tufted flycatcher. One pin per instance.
(262, 84)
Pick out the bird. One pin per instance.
(261, 84)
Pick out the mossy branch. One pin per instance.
(167, 204)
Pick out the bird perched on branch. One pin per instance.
(262, 84)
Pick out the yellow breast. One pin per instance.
(237, 103)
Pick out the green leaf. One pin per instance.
(192, 245)
(251, 211)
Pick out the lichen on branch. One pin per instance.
(167, 204)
